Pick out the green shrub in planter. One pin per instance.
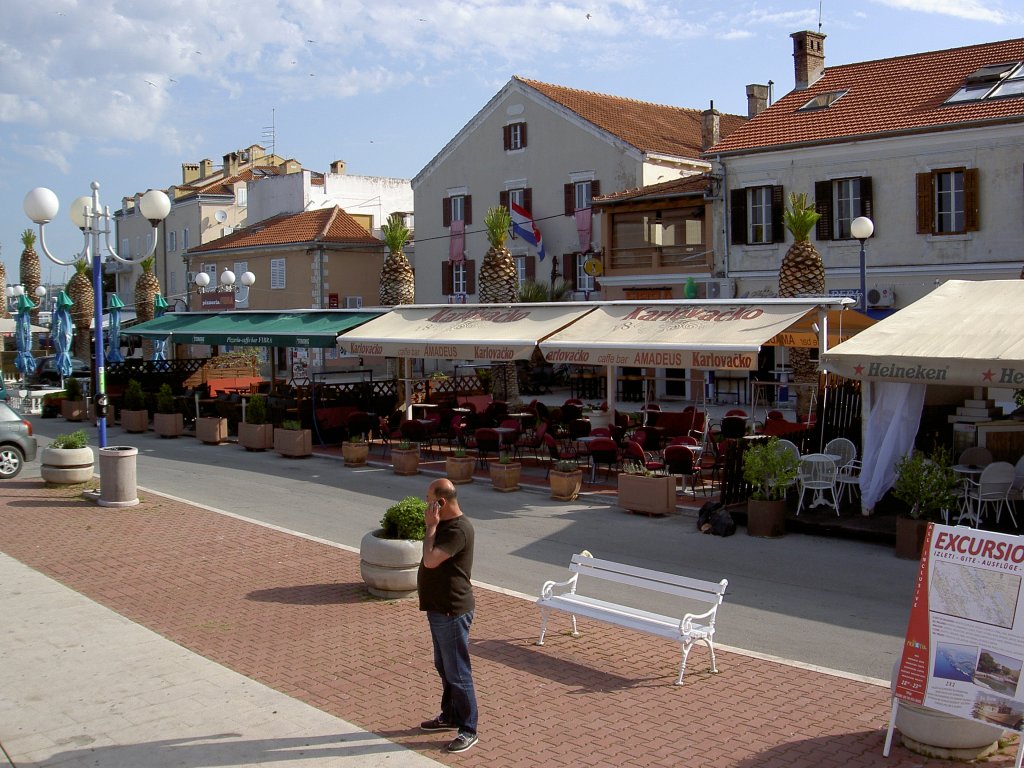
(256, 410)
(927, 485)
(165, 399)
(134, 398)
(769, 469)
(292, 424)
(73, 389)
(75, 439)
(404, 520)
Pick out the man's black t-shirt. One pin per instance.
(447, 588)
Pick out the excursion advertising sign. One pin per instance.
(964, 649)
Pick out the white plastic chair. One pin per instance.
(817, 472)
(789, 446)
(975, 456)
(992, 488)
(847, 465)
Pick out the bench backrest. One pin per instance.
(682, 586)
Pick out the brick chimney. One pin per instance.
(338, 167)
(808, 57)
(757, 99)
(189, 172)
(710, 127)
(205, 168)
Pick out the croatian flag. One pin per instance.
(524, 226)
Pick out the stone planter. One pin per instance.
(73, 410)
(505, 477)
(168, 424)
(910, 537)
(650, 494)
(66, 466)
(255, 437)
(405, 461)
(389, 566)
(766, 518)
(355, 453)
(293, 443)
(135, 421)
(460, 469)
(565, 486)
(212, 430)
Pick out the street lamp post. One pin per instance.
(861, 228)
(41, 206)
(12, 292)
(227, 282)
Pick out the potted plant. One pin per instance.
(255, 434)
(134, 416)
(405, 458)
(292, 441)
(928, 486)
(389, 556)
(73, 406)
(505, 473)
(52, 405)
(771, 471)
(565, 479)
(644, 491)
(167, 422)
(212, 430)
(459, 466)
(355, 449)
(67, 460)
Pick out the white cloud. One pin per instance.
(972, 10)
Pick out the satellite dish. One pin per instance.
(220, 216)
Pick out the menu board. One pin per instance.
(964, 648)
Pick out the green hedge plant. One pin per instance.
(69, 440)
(165, 399)
(256, 410)
(404, 520)
(134, 398)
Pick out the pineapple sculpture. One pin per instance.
(397, 282)
(83, 298)
(146, 289)
(30, 271)
(499, 284)
(802, 274)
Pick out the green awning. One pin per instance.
(296, 328)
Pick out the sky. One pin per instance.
(122, 92)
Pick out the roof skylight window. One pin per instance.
(993, 81)
(822, 101)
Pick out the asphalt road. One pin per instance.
(831, 603)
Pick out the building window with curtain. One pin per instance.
(759, 208)
(947, 201)
(578, 195)
(756, 215)
(514, 136)
(839, 202)
(584, 282)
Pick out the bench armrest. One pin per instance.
(686, 625)
(547, 590)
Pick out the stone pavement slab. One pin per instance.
(292, 613)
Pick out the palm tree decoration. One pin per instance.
(499, 284)
(30, 271)
(536, 292)
(397, 281)
(802, 274)
(147, 287)
(80, 291)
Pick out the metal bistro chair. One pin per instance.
(635, 455)
(817, 472)
(847, 466)
(603, 452)
(679, 460)
(992, 488)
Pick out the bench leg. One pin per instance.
(543, 625)
(687, 647)
(575, 632)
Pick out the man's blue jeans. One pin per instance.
(450, 635)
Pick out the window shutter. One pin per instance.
(470, 276)
(446, 278)
(738, 214)
(503, 199)
(867, 200)
(531, 267)
(925, 213)
(467, 207)
(446, 212)
(823, 205)
(528, 199)
(506, 135)
(570, 199)
(778, 207)
(972, 208)
(522, 135)
(569, 269)
(595, 188)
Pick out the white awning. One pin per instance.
(707, 335)
(967, 333)
(461, 331)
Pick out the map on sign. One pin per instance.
(977, 594)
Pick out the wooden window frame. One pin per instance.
(927, 209)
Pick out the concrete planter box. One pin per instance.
(66, 466)
(766, 518)
(355, 454)
(405, 461)
(389, 566)
(565, 486)
(460, 469)
(255, 437)
(73, 410)
(212, 430)
(505, 477)
(293, 443)
(910, 537)
(168, 424)
(135, 421)
(650, 494)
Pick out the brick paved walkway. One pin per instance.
(293, 614)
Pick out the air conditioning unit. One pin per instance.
(721, 289)
(881, 296)
(353, 302)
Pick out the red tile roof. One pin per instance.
(326, 225)
(885, 97)
(689, 185)
(648, 127)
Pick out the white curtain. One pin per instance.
(891, 417)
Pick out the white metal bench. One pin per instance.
(688, 630)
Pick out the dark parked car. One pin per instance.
(46, 370)
(17, 445)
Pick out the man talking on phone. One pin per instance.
(446, 594)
